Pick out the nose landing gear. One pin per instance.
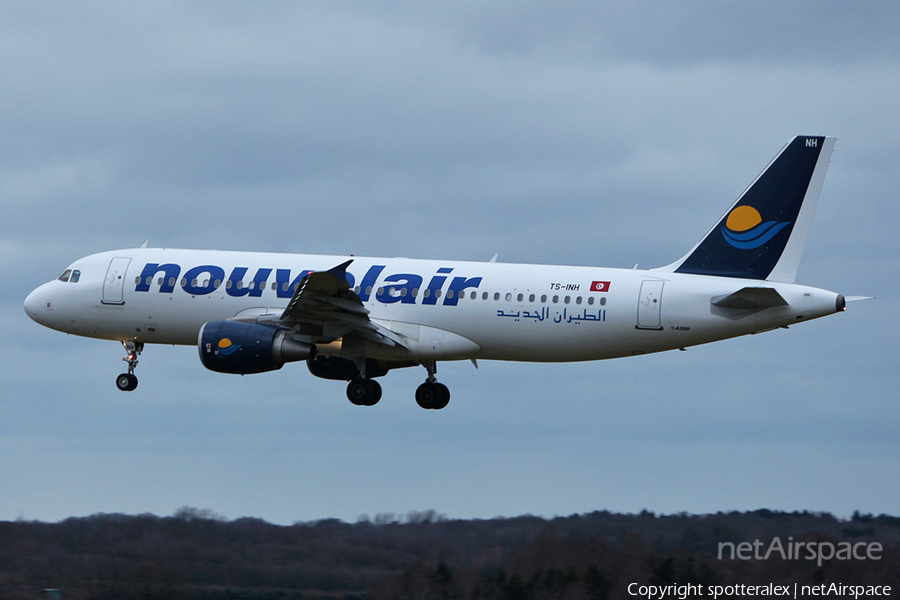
(127, 382)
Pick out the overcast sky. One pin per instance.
(581, 133)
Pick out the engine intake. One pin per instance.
(245, 348)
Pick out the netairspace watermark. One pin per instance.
(817, 551)
(694, 590)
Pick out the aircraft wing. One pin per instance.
(324, 298)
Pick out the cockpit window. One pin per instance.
(70, 276)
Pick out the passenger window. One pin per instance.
(65, 275)
(555, 299)
(578, 300)
(531, 298)
(543, 298)
(590, 299)
(484, 296)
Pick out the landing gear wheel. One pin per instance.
(445, 397)
(126, 382)
(432, 395)
(364, 392)
(376, 393)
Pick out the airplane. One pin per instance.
(355, 318)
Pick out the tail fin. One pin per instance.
(762, 236)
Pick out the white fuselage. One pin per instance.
(445, 310)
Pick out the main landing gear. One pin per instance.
(127, 382)
(364, 392)
(431, 394)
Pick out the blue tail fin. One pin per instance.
(763, 234)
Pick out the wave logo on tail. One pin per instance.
(744, 229)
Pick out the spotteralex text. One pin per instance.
(696, 590)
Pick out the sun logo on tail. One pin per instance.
(744, 228)
(226, 347)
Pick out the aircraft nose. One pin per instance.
(37, 304)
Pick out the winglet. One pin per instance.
(332, 282)
(340, 272)
(763, 234)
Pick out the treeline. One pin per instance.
(195, 554)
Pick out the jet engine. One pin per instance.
(244, 348)
(341, 369)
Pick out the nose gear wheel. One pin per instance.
(127, 382)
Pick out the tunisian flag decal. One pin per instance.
(600, 286)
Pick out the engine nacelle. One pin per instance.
(342, 369)
(244, 348)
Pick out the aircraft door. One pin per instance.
(650, 304)
(114, 284)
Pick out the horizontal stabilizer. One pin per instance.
(751, 298)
